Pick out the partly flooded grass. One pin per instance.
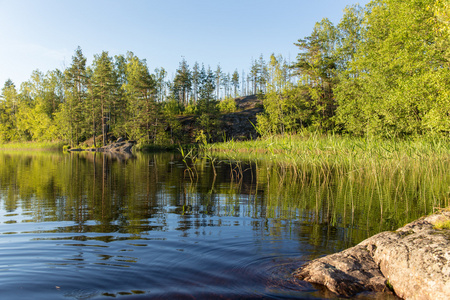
(340, 179)
(333, 149)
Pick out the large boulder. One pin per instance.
(414, 261)
(119, 147)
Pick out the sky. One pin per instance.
(44, 34)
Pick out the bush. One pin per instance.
(227, 105)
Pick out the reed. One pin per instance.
(334, 150)
(390, 174)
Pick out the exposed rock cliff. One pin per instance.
(414, 261)
(238, 125)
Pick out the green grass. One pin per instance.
(388, 171)
(35, 146)
(334, 149)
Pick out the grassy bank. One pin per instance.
(33, 146)
(388, 171)
(333, 149)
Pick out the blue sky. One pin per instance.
(43, 34)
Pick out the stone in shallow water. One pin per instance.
(415, 260)
(345, 273)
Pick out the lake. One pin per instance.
(92, 226)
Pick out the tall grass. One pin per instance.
(34, 146)
(333, 149)
(390, 172)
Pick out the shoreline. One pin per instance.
(32, 146)
(412, 262)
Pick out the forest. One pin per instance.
(382, 71)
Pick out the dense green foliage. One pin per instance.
(383, 70)
(397, 82)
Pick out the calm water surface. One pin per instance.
(88, 226)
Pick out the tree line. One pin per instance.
(383, 70)
(119, 95)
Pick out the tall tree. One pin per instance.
(349, 36)
(207, 106)
(160, 81)
(235, 82)
(105, 88)
(277, 70)
(141, 93)
(262, 74)
(316, 64)
(182, 82)
(218, 76)
(92, 109)
(195, 80)
(253, 76)
(206, 90)
(120, 67)
(226, 79)
(8, 111)
(76, 92)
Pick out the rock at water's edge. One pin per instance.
(415, 260)
(119, 147)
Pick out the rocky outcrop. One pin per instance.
(119, 147)
(414, 261)
(240, 125)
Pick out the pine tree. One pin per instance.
(218, 76)
(182, 83)
(160, 81)
(75, 81)
(141, 92)
(262, 74)
(105, 88)
(206, 101)
(235, 82)
(316, 64)
(253, 76)
(195, 80)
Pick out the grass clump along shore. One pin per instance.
(33, 146)
(335, 150)
(391, 176)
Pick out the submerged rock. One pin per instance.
(414, 261)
